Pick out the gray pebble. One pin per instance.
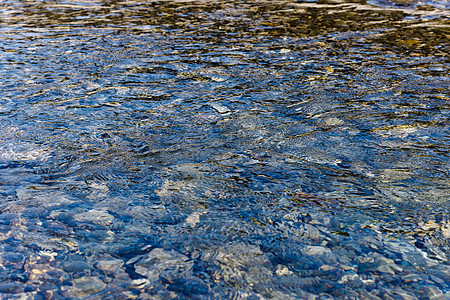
(11, 287)
(76, 266)
(398, 293)
(58, 228)
(158, 260)
(430, 292)
(320, 252)
(85, 286)
(413, 278)
(111, 265)
(437, 279)
(11, 258)
(98, 217)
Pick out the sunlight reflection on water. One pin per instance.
(237, 150)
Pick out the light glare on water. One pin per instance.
(242, 150)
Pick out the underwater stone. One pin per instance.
(319, 252)
(329, 122)
(368, 295)
(219, 107)
(48, 287)
(11, 258)
(236, 255)
(11, 287)
(58, 228)
(189, 287)
(86, 286)
(351, 279)
(34, 213)
(283, 270)
(158, 260)
(76, 266)
(377, 263)
(7, 218)
(140, 283)
(429, 292)
(412, 278)
(437, 280)
(98, 217)
(398, 293)
(441, 271)
(109, 265)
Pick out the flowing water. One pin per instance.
(224, 149)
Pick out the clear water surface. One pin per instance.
(224, 149)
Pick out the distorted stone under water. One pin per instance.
(224, 149)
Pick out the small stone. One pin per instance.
(347, 268)
(58, 228)
(441, 271)
(330, 122)
(109, 265)
(446, 231)
(384, 269)
(220, 108)
(122, 277)
(155, 262)
(348, 278)
(190, 287)
(140, 283)
(11, 287)
(385, 260)
(86, 286)
(376, 263)
(430, 292)
(283, 270)
(437, 279)
(48, 287)
(11, 258)
(194, 218)
(326, 268)
(320, 252)
(98, 217)
(398, 293)
(39, 269)
(368, 296)
(7, 218)
(316, 251)
(76, 266)
(411, 278)
(130, 295)
(57, 244)
(396, 268)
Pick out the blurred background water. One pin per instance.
(236, 150)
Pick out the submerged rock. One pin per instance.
(110, 265)
(12, 259)
(98, 217)
(378, 264)
(159, 260)
(207, 150)
(11, 287)
(397, 293)
(76, 266)
(187, 287)
(85, 286)
(428, 291)
(321, 253)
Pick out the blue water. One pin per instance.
(212, 150)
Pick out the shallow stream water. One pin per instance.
(224, 149)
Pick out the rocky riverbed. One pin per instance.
(224, 150)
